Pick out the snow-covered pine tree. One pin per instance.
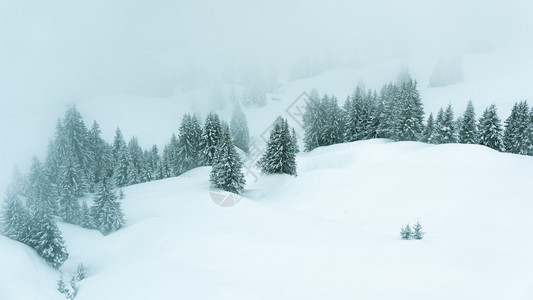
(468, 133)
(188, 151)
(333, 130)
(279, 157)
(123, 166)
(226, 172)
(136, 162)
(490, 129)
(39, 188)
(314, 121)
(76, 135)
(417, 231)
(101, 157)
(14, 218)
(445, 126)
(516, 138)
(86, 219)
(406, 232)
(106, 212)
(118, 144)
(70, 190)
(410, 125)
(294, 139)
(429, 130)
(239, 129)
(46, 239)
(388, 117)
(211, 135)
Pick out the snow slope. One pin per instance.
(331, 232)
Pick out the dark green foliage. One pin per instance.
(106, 212)
(239, 129)
(468, 133)
(388, 112)
(490, 129)
(279, 157)
(360, 115)
(14, 219)
(226, 172)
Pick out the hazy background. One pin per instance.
(57, 52)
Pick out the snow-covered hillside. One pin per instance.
(330, 232)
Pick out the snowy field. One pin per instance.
(332, 232)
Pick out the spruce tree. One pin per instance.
(410, 125)
(188, 150)
(417, 231)
(106, 212)
(13, 218)
(294, 139)
(314, 121)
(279, 157)
(135, 174)
(388, 117)
(490, 129)
(406, 232)
(468, 133)
(226, 172)
(518, 125)
(46, 239)
(445, 126)
(239, 129)
(211, 135)
(333, 131)
(101, 157)
(70, 190)
(429, 130)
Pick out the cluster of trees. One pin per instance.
(397, 113)
(415, 233)
(79, 161)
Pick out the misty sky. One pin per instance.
(54, 52)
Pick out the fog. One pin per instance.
(56, 52)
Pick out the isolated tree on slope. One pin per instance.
(279, 157)
(417, 231)
(239, 129)
(211, 135)
(490, 129)
(226, 172)
(468, 133)
(106, 212)
(406, 232)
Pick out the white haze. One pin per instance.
(57, 52)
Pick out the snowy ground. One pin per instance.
(332, 232)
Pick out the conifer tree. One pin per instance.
(70, 190)
(239, 129)
(101, 157)
(445, 126)
(429, 130)
(226, 172)
(40, 189)
(279, 157)
(333, 131)
(188, 150)
(211, 135)
(136, 167)
(417, 231)
(406, 232)
(518, 128)
(490, 129)
(411, 114)
(388, 116)
(314, 121)
(106, 212)
(13, 218)
(86, 219)
(294, 139)
(468, 133)
(46, 239)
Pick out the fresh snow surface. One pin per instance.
(332, 232)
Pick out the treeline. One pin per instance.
(79, 161)
(397, 113)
